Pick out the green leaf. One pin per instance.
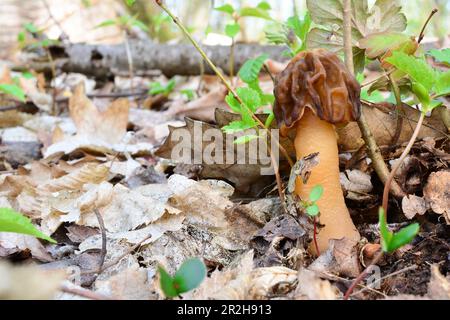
(392, 241)
(244, 139)
(107, 23)
(232, 29)
(316, 193)
(417, 68)
(189, 93)
(140, 25)
(269, 119)
(264, 5)
(130, 2)
(422, 94)
(255, 12)
(27, 75)
(312, 210)
(404, 236)
(238, 126)
(227, 8)
(13, 90)
(441, 55)
(250, 70)
(190, 275)
(21, 37)
(12, 221)
(249, 97)
(30, 27)
(442, 85)
(378, 44)
(386, 235)
(157, 88)
(167, 284)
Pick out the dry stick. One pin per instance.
(398, 99)
(372, 148)
(413, 267)
(103, 230)
(390, 178)
(315, 236)
(422, 32)
(84, 293)
(235, 95)
(118, 259)
(362, 275)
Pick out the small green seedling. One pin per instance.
(12, 221)
(310, 205)
(157, 88)
(188, 93)
(31, 36)
(188, 277)
(391, 241)
(13, 90)
(125, 22)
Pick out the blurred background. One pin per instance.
(77, 19)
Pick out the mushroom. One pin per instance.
(312, 94)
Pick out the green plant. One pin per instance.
(157, 88)
(12, 221)
(13, 90)
(374, 96)
(291, 33)
(310, 205)
(188, 93)
(188, 277)
(391, 241)
(232, 28)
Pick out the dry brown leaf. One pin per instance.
(437, 193)
(311, 287)
(15, 242)
(130, 284)
(412, 205)
(356, 183)
(439, 286)
(28, 282)
(341, 258)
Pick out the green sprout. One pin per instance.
(188, 277)
(12, 221)
(156, 88)
(310, 205)
(391, 241)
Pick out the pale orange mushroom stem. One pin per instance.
(313, 93)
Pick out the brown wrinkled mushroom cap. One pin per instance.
(316, 79)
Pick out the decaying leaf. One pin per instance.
(311, 287)
(28, 282)
(356, 183)
(412, 205)
(437, 193)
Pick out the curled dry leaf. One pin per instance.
(412, 205)
(437, 193)
(28, 282)
(341, 258)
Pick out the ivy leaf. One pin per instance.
(250, 70)
(13, 90)
(316, 193)
(227, 8)
(232, 29)
(312, 210)
(189, 276)
(167, 283)
(441, 55)
(417, 68)
(244, 139)
(12, 221)
(255, 12)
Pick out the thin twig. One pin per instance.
(362, 275)
(348, 36)
(422, 32)
(84, 293)
(413, 267)
(118, 259)
(266, 68)
(390, 178)
(103, 231)
(316, 246)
